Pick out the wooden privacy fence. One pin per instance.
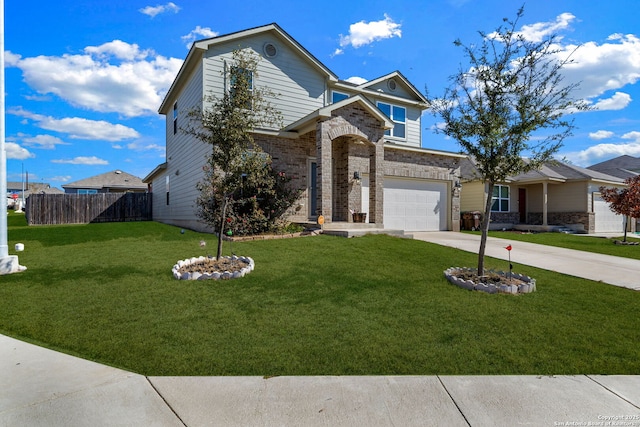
(46, 209)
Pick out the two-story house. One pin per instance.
(349, 147)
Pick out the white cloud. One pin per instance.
(600, 68)
(113, 77)
(601, 134)
(152, 11)
(138, 146)
(118, 49)
(541, 30)
(44, 142)
(16, 152)
(356, 80)
(618, 101)
(601, 152)
(79, 128)
(65, 178)
(364, 33)
(93, 160)
(635, 135)
(198, 32)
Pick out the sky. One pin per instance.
(84, 79)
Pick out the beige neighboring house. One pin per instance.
(347, 146)
(115, 181)
(558, 195)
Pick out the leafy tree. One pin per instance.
(240, 190)
(624, 201)
(511, 88)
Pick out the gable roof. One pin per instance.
(113, 179)
(308, 122)
(404, 81)
(553, 171)
(563, 172)
(200, 47)
(621, 166)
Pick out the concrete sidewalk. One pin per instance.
(617, 271)
(40, 387)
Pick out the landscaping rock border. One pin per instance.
(526, 285)
(216, 275)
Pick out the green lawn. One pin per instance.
(579, 242)
(313, 306)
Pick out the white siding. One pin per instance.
(300, 88)
(185, 158)
(400, 89)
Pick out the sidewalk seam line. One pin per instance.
(165, 401)
(612, 392)
(453, 400)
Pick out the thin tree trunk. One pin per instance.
(222, 220)
(484, 226)
(626, 221)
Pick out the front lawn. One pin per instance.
(374, 305)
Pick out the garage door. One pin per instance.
(605, 219)
(412, 204)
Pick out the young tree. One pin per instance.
(625, 201)
(237, 173)
(512, 88)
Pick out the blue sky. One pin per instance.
(84, 79)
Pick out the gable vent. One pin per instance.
(391, 84)
(270, 50)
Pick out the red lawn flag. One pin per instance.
(508, 248)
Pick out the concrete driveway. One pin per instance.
(617, 271)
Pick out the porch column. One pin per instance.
(544, 203)
(323, 159)
(376, 182)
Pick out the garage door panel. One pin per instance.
(411, 204)
(414, 205)
(605, 219)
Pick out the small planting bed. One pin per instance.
(492, 282)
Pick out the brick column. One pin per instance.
(323, 159)
(376, 182)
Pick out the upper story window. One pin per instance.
(241, 82)
(175, 118)
(167, 188)
(338, 96)
(399, 117)
(500, 199)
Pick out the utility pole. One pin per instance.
(8, 263)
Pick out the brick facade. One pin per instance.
(352, 141)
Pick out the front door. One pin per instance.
(313, 189)
(522, 205)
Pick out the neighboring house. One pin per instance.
(558, 194)
(110, 182)
(622, 167)
(15, 191)
(347, 146)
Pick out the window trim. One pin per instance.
(175, 117)
(233, 72)
(498, 188)
(336, 92)
(389, 132)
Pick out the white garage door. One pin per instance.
(606, 220)
(412, 204)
